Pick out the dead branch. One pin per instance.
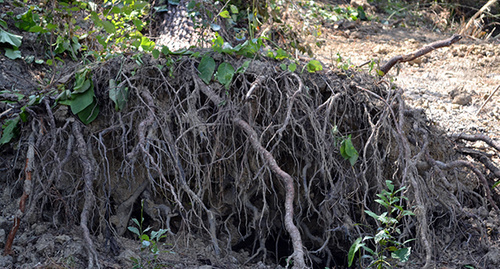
(487, 100)
(465, 30)
(424, 50)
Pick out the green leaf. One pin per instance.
(234, 9)
(206, 68)
(371, 214)
(90, 113)
(225, 14)
(314, 66)
(281, 54)
(348, 151)
(12, 39)
(80, 101)
(402, 254)
(352, 251)
(10, 130)
(283, 67)
(134, 230)
(155, 53)
(12, 53)
(165, 50)
(119, 95)
(225, 74)
(243, 67)
(109, 27)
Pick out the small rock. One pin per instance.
(462, 99)
(61, 239)
(380, 49)
(39, 229)
(45, 244)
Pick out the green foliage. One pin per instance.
(206, 68)
(118, 94)
(81, 100)
(314, 66)
(10, 130)
(385, 239)
(11, 39)
(348, 151)
(148, 243)
(225, 74)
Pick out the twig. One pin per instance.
(488, 99)
(412, 56)
(465, 30)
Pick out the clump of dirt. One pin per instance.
(210, 164)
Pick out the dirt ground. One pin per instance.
(450, 85)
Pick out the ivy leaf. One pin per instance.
(348, 151)
(402, 254)
(225, 74)
(206, 68)
(243, 67)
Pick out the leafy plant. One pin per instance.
(81, 100)
(10, 39)
(149, 243)
(348, 151)
(385, 239)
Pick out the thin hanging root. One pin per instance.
(28, 169)
(88, 178)
(298, 248)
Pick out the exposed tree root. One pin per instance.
(255, 167)
(298, 254)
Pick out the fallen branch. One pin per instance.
(412, 56)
